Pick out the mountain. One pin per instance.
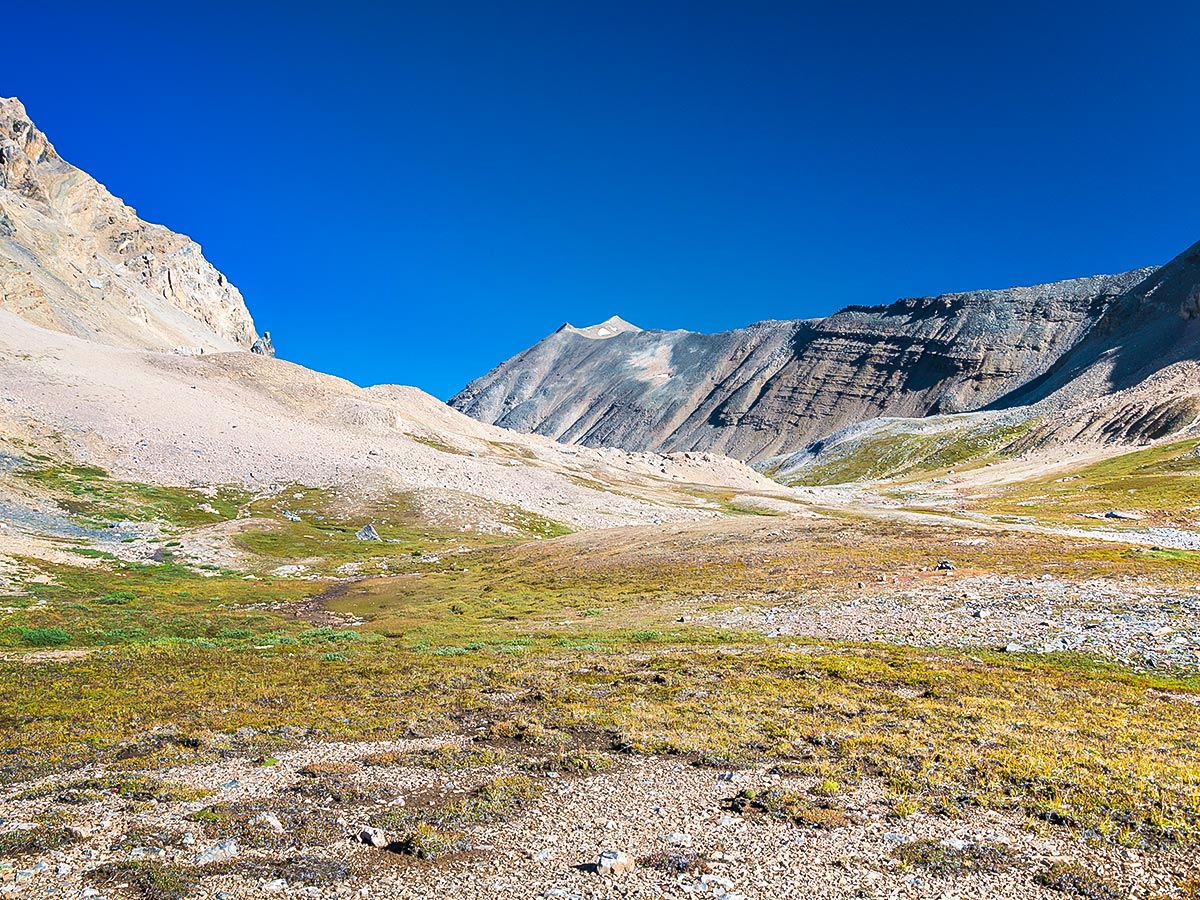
(74, 258)
(1131, 380)
(245, 419)
(772, 388)
(1135, 376)
(91, 297)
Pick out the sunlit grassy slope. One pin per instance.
(1160, 482)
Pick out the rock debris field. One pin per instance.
(276, 830)
(1130, 623)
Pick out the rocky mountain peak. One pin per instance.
(610, 327)
(76, 259)
(772, 388)
(22, 149)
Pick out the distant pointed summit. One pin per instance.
(610, 327)
(772, 388)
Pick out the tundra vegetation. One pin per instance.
(569, 653)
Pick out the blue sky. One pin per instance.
(410, 193)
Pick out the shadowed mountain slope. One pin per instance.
(1135, 377)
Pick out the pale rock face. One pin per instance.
(772, 388)
(610, 327)
(76, 259)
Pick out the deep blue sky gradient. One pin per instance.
(412, 192)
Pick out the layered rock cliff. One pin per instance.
(774, 387)
(1135, 377)
(76, 259)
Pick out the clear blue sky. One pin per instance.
(412, 192)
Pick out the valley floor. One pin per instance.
(220, 693)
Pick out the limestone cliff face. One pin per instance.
(76, 259)
(774, 387)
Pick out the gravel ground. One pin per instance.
(1136, 624)
(1168, 538)
(642, 807)
(47, 521)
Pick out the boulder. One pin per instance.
(615, 862)
(221, 851)
(263, 346)
(268, 820)
(373, 837)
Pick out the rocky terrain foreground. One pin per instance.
(757, 706)
(298, 827)
(265, 633)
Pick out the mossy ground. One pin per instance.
(322, 532)
(945, 858)
(580, 636)
(906, 455)
(92, 494)
(438, 830)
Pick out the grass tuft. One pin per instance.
(791, 807)
(149, 880)
(945, 858)
(1073, 879)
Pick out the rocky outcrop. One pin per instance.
(774, 387)
(1135, 377)
(76, 259)
(263, 346)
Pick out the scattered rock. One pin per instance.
(263, 346)
(221, 851)
(372, 837)
(268, 820)
(367, 533)
(615, 862)
(1122, 514)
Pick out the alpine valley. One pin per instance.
(899, 602)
